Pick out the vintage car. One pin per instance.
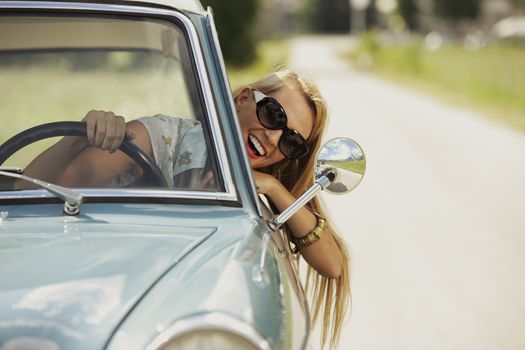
(148, 263)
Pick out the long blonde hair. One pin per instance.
(329, 296)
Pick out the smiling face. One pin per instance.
(262, 145)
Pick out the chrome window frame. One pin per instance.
(216, 43)
(230, 194)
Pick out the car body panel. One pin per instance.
(276, 309)
(90, 269)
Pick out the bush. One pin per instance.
(234, 19)
(372, 52)
(326, 16)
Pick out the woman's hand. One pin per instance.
(105, 130)
(265, 183)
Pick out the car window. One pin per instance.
(57, 68)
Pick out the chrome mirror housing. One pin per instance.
(343, 161)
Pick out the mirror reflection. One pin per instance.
(344, 160)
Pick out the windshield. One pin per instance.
(57, 68)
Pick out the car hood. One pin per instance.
(67, 284)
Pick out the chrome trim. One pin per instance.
(260, 276)
(69, 196)
(230, 194)
(279, 220)
(108, 193)
(215, 40)
(209, 321)
(188, 5)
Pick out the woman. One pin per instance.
(283, 180)
(282, 118)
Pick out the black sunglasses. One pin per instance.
(272, 116)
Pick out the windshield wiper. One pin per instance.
(72, 199)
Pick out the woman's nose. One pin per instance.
(273, 136)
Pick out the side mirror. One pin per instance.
(343, 161)
(340, 168)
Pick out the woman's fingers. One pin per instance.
(90, 119)
(207, 180)
(100, 132)
(105, 130)
(109, 136)
(120, 133)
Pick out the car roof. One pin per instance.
(187, 5)
(190, 5)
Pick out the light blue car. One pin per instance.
(141, 263)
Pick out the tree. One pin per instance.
(458, 9)
(234, 20)
(409, 12)
(327, 16)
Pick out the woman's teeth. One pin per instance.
(256, 145)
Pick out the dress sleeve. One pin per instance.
(178, 144)
(191, 151)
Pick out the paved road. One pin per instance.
(437, 227)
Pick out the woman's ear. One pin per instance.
(242, 97)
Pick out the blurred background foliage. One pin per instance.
(322, 16)
(468, 51)
(455, 9)
(490, 79)
(234, 20)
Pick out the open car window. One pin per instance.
(58, 68)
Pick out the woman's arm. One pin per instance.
(96, 166)
(53, 161)
(72, 162)
(323, 255)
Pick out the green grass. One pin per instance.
(358, 166)
(40, 95)
(490, 80)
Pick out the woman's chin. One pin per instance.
(258, 163)
(254, 164)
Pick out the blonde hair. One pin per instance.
(329, 296)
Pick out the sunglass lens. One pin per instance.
(292, 144)
(271, 115)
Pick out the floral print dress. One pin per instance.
(178, 146)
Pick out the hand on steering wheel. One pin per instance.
(105, 130)
(113, 135)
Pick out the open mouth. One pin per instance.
(255, 146)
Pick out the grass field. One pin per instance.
(490, 80)
(40, 95)
(43, 94)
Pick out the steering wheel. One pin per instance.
(152, 176)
